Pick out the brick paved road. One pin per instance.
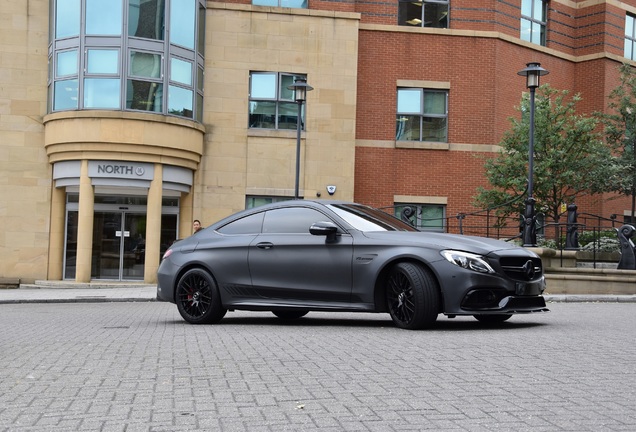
(138, 367)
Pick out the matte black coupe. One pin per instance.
(299, 256)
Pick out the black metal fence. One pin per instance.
(574, 231)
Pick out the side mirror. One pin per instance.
(324, 228)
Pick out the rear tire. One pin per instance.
(197, 298)
(412, 296)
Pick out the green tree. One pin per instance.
(620, 131)
(570, 158)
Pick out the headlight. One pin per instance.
(468, 261)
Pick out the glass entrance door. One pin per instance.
(134, 250)
(119, 235)
(119, 245)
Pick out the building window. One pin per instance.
(272, 104)
(299, 4)
(533, 21)
(102, 86)
(422, 115)
(427, 13)
(103, 18)
(630, 37)
(65, 76)
(146, 19)
(425, 217)
(144, 90)
(257, 201)
(114, 55)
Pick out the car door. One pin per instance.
(288, 263)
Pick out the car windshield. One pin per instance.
(365, 218)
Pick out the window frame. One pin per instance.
(533, 20)
(279, 100)
(630, 39)
(405, 8)
(74, 88)
(251, 199)
(402, 116)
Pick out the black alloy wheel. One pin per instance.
(197, 298)
(412, 296)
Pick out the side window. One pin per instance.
(426, 13)
(422, 115)
(248, 225)
(291, 220)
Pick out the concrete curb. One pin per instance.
(149, 294)
(590, 298)
(76, 300)
(79, 295)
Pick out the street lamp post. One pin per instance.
(300, 88)
(532, 72)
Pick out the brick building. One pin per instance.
(122, 121)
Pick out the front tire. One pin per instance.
(197, 298)
(412, 295)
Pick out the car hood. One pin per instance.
(473, 244)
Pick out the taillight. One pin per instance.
(167, 254)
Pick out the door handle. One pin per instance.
(265, 245)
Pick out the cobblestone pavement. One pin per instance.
(138, 367)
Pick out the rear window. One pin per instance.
(251, 224)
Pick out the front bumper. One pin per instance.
(485, 301)
(471, 293)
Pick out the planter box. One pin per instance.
(600, 256)
(590, 281)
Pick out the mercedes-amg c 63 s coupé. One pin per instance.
(298, 256)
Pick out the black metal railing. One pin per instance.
(579, 228)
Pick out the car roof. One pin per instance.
(280, 204)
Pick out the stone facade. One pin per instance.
(352, 53)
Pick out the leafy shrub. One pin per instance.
(586, 237)
(548, 243)
(602, 241)
(604, 244)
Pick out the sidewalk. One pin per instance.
(114, 292)
(86, 293)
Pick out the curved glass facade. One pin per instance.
(138, 55)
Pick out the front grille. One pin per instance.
(522, 268)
